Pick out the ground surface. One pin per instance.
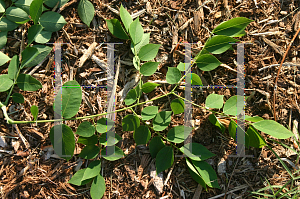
(33, 171)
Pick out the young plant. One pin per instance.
(96, 136)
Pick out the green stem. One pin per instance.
(10, 121)
(12, 87)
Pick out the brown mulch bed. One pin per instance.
(35, 172)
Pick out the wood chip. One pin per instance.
(87, 54)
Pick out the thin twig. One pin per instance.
(276, 80)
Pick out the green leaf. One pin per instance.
(148, 87)
(207, 62)
(3, 39)
(116, 28)
(181, 66)
(52, 21)
(232, 27)
(142, 135)
(118, 154)
(104, 125)
(98, 187)
(27, 83)
(177, 106)
(77, 178)
(7, 25)
(232, 128)
(243, 33)
(155, 145)
(67, 141)
(43, 51)
(196, 80)
(89, 152)
(86, 11)
(148, 52)
(18, 98)
(88, 140)
(253, 119)
(70, 99)
(255, 139)
(52, 3)
(2, 6)
(130, 123)
(164, 159)
(13, 67)
(43, 37)
(214, 120)
(17, 15)
(33, 32)
(230, 106)
(28, 54)
(35, 10)
(125, 17)
(136, 31)
(24, 5)
(149, 68)
(214, 101)
(92, 170)
(219, 44)
(3, 58)
(196, 151)
(162, 120)
(273, 128)
(194, 173)
(149, 112)
(85, 129)
(135, 48)
(173, 75)
(109, 140)
(207, 173)
(179, 133)
(131, 97)
(34, 111)
(5, 83)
